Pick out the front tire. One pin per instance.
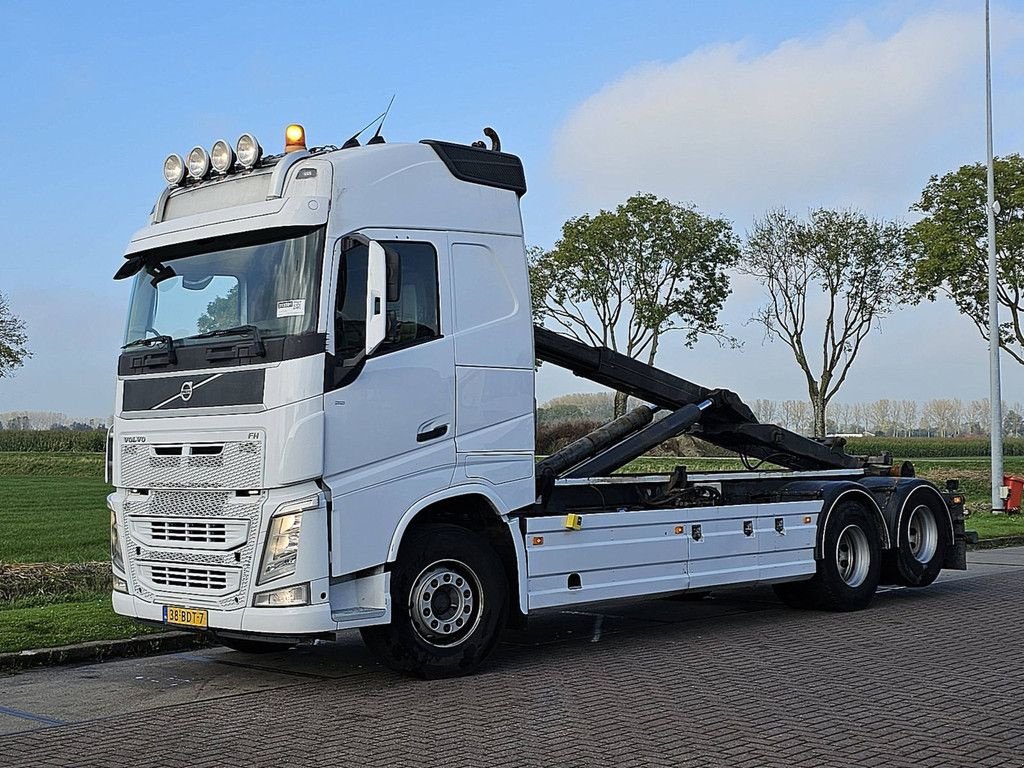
(449, 604)
(848, 573)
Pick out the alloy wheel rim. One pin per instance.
(446, 603)
(853, 556)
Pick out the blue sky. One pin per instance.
(95, 95)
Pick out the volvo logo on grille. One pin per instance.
(186, 391)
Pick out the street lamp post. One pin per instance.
(995, 396)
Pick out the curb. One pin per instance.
(997, 543)
(101, 650)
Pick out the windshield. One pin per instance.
(272, 284)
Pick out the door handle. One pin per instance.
(432, 434)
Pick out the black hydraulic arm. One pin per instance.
(728, 423)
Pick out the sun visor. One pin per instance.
(284, 213)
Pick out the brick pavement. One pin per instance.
(928, 678)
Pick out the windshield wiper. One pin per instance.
(238, 330)
(172, 356)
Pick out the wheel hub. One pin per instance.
(922, 533)
(445, 603)
(853, 555)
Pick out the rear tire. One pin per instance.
(449, 604)
(848, 572)
(923, 538)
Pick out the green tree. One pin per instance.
(836, 273)
(13, 340)
(222, 312)
(950, 245)
(625, 278)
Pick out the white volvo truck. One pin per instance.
(325, 421)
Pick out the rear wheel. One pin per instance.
(449, 604)
(918, 558)
(848, 573)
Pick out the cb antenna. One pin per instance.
(354, 140)
(377, 138)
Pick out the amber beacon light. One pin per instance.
(294, 138)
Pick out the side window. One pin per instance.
(413, 315)
(412, 309)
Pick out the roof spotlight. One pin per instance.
(198, 163)
(248, 150)
(222, 156)
(174, 169)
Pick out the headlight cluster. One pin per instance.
(281, 551)
(221, 159)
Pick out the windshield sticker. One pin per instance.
(291, 308)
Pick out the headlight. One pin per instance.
(222, 157)
(281, 550)
(198, 163)
(286, 597)
(119, 584)
(174, 169)
(116, 558)
(248, 150)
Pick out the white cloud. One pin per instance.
(850, 117)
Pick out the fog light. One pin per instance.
(248, 150)
(198, 163)
(174, 169)
(286, 597)
(222, 156)
(119, 584)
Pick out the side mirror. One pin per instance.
(394, 267)
(376, 293)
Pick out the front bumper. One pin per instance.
(218, 572)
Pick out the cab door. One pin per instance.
(389, 414)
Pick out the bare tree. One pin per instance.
(851, 262)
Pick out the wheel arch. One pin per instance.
(479, 509)
(833, 495)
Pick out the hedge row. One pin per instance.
(931, 447)
(555, 435)
(52, 440)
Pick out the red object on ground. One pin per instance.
(1016, 486)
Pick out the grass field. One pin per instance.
(44, 622)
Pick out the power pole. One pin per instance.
(995, 396)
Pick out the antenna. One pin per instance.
(354, 140)
(377, 138)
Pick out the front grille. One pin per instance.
(234, 465)
(174, 577)
(187, 578)
(187, 531)
(195, 546)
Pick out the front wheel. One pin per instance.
(449, 604)
(849, 570)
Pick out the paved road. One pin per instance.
(924, 678)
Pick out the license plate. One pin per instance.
(185, 617)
